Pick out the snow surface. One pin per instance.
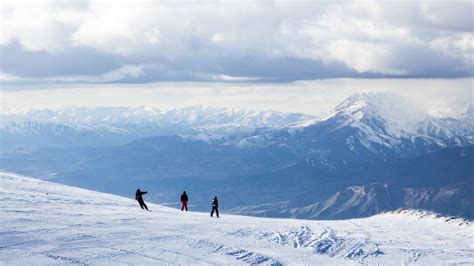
(48, 223)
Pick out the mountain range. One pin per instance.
(373, 152)
(103, 126)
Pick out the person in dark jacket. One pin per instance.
(215, 206)
(139, 198)
(184, 201)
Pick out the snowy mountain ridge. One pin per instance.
(47, 223)
(381, 118)
(102, 126)
(377, 122)
(422, 214)
(399, 115)
(192, 116)
(393, 109)
(391, 115)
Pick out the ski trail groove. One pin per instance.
(325, 242)
(239, 254)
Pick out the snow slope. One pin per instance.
(47, 223)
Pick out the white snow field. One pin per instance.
(47, 223)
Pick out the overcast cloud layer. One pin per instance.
(147, 41)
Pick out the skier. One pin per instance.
(215, 205)
(139, 198)
(184, 201)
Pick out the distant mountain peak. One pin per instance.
(394, 110)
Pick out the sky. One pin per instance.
(301, 51)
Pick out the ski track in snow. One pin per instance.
(326, 241)
(47, 223)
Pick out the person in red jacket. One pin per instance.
(184, 201)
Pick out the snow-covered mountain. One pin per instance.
(193, 116)
(387, 120)
(102, 126)
(33, 134)
(47, 223)
(373, 152)
(379, 122)
(376, 125)
(365, 200)
(362, 109)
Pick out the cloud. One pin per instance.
(222, 77)
(195, 40)
(41, 64)
(6, 77)
(122, 73)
